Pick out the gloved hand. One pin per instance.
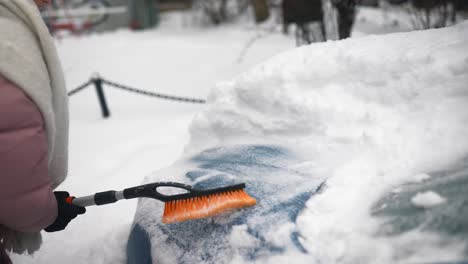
(66, 212)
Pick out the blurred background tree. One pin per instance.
(312, 20)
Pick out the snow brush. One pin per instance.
(192, 204)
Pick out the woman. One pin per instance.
(33, 130)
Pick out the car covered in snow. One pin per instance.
(355, 150)
(280, 188)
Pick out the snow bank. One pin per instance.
(427, 199)
(372, 112)
(421, 177)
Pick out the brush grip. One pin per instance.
(82, 201)
(100, 198)
(108, 197)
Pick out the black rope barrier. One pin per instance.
(101, 97)
(79, 88)
(98, 83)
(153, 94)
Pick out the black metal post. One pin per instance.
(102, 99)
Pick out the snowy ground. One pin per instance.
(144, 134)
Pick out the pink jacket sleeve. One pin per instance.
(27, 202)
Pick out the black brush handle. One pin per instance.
(150, 190)
(147, 190)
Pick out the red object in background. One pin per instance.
(135, 25)
(73, 27)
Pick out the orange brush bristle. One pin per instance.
(205, 206)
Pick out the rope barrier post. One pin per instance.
(100, 93)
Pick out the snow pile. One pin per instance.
(421, 177)
(372, 112)
(427, 199)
